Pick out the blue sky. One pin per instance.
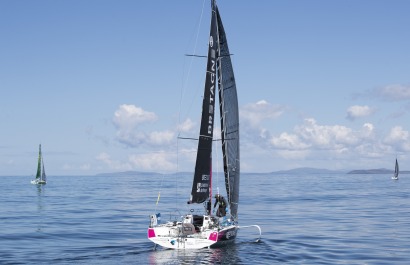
(104, 86)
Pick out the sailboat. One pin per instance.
(41, 173)
(396, 171)
(195, 231)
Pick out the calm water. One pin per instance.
(305, 219)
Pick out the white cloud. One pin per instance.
(128, 120)
(160, 161)
(186, 126)
(310, 137)
(160, 138)
(357, 111)
(294, 154)
(254, 113)
(394, 92)
(326, 146)
(325, 136)
(398, 138)
(129, 116)
(112, 164)
(288, 141)
(368, 130)
(154, 161)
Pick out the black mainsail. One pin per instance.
(201, 186)
(219, 65)
(228, 99)
(396, 170)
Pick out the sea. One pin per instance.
(304, 219)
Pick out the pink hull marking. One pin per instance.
(213, 236)
(151, 233)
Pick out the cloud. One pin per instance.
(160, 161)
(155, 161)
(357, 111)
(129, 120)
(311, 137)
(186, 126)
(394, 92)
(128, 117)
(138, 138)
(254, 113)
(289, 142)
(399, 138)
(112, 164)
(326, 136)
(160, 138)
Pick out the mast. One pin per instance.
(201, 186)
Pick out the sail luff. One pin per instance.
(202, 177)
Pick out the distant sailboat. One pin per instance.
(41, 173)
(396, 171)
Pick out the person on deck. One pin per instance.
(221, 212)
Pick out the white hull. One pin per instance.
(190, 235)
(38, 181)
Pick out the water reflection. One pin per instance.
(225, 255)
(40, 207)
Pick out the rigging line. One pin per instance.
(159, 192)
(197, 139)
(176, 175)
(191, 61)
(205, 56)
(194, 55)
(180, 102)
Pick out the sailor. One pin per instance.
(220, 200)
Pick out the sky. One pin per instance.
(105, 86)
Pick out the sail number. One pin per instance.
(201, 186)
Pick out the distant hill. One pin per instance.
(376, 171)
(127, 173)
(295, 171)
(308, 170)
